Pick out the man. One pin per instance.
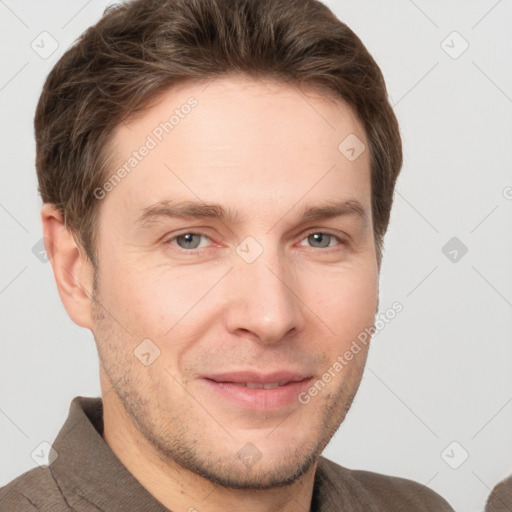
(217, 178)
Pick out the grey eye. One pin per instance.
(188, 240)
(322, 239)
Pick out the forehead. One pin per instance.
(235, 140)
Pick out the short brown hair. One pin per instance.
(139, 49)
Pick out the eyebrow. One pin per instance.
(200, 210)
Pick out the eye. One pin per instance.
(187, 240)
(321, 240)
(190, 240)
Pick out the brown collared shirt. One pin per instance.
(86, 476)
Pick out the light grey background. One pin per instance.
(441, 370)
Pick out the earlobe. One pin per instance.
(72, 270)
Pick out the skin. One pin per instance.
(263, 149)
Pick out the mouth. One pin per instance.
(258, 385)
(258, 392)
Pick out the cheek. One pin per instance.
(153, 301)
(345, 300)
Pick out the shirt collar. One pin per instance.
(87, 469)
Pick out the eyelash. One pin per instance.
(170, 240)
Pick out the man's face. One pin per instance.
(263, 295)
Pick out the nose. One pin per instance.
(264, 300)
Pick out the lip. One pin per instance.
(228, 387)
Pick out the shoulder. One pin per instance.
(384, 492)
(500, 499)
(32, 491)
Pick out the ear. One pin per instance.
(72, 269)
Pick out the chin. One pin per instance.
(256, 474)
